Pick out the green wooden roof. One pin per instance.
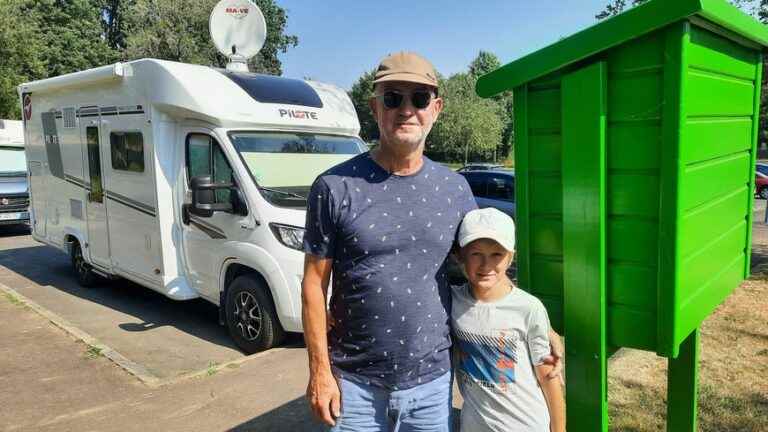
(636, 22)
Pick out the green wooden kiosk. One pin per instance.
(634, 158)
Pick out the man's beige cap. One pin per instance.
(488, 223)
(406, 66)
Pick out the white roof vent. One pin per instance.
(238, 30)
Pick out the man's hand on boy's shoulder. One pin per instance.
(556, 357)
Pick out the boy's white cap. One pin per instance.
(488, 223)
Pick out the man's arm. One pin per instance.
(323, 390)
(553, 393)
(556, 356)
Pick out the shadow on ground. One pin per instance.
(295, 416)
(51, 269)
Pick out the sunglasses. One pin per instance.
(420, 99)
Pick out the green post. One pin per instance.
(584, 221)
(682, 386)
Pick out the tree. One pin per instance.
(20, 49)
(484, 63)
(361, 92)
(616, 7)
(177, 30)
(469, 128)
(54, 37)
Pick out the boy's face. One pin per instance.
(485, 263)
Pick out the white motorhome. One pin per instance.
(14, 191)
(186, 179)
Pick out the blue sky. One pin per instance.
(339, 40)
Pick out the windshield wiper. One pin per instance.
(290, 194)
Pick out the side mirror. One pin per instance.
(204, 196)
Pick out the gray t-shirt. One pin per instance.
(388, 236)
(497, 346)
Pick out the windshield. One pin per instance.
(12, 161)
(284, 165)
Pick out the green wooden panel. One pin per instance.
(703, 266)
(707, 181)
(554, 307)
(672, 127)
(633, 194)
(644, 53)
(544, 111)
(632, 285)
(546, 236)
(631, 328)
(634, 146)
(546, 195)
(584, 258)
(522, 219)
(634, 98)
(711, 138)
(702, 303)
(709, 51)
(705, 223)
(546, 276)
(633, 240)
(545, 152)
(712, 94)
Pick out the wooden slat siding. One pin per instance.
(633, 145)
(717, 174)
(545, 195)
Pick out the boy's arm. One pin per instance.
(553, 393)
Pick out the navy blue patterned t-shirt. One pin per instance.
(388, 236)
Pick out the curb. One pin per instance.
(137, 370)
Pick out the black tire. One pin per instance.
(250, 315)
(763, 193)
(86, 277)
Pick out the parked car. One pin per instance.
(493, 188)
(14, 191)
(479, 166)
(761, 184)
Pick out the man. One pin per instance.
(383, 223)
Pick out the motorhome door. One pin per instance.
(96, 209)
(203, 236)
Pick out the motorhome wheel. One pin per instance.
(251, 317)
(86, 277)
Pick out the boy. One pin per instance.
(501, 337)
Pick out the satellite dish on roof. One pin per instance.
(238, 30)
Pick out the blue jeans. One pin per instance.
(424, 408)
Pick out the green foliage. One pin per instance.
(484, 63)
(470, 128)
(177, 30)
(361, 92)
(45, 38)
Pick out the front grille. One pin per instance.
(14, 203)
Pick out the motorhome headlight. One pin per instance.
(289, 236)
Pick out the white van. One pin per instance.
(186, 179)
(14, 192)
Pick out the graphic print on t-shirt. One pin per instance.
(489, 361)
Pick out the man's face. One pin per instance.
(405, 127)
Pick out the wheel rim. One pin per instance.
(80, 265)
(247, 316)
(764, 193)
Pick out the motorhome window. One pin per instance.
(285, 164)
(12, 162)
(127, 150)
(205, 157)
(94, 164)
